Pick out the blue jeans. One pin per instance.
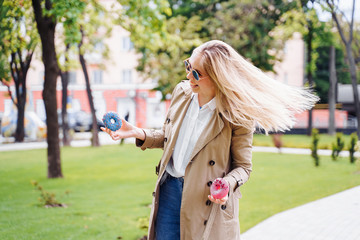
(167, 226)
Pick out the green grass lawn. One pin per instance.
(300, 141)
(110, 189)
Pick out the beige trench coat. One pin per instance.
(223, 150)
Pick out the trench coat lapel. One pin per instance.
(213, 128)
(182, 106)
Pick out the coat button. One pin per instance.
(208, 203)
(165, 139)
(223, 207)
(209, 183)
(212, 162)
(205, 222)
(168, 120)
(153, 194)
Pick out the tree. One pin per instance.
(46, 23)
(304, 19)
(64, 98)
(95, 137)
(332, 89)
(95, 26)
(68, 14)
(322, 74)
(245, 25)
(155, 39)
(336, 13)
(19, 40)
(248, 25)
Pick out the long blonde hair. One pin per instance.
(245, 95)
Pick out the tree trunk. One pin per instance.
(95, 138)
(64, 115)
(46, 27)
(332, 101)
(18, 74)
(354, 84)
(309, 72)
(20, 125)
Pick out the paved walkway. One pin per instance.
(336, 217)
(81, 140)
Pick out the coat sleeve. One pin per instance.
(153, 139)
(241, 155)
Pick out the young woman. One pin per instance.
(208, 134)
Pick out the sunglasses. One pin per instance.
(190, 69)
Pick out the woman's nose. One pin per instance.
(189, 75)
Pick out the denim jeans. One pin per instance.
(167, 226)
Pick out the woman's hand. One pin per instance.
(218, 188)
(219, 201)
(127, 130)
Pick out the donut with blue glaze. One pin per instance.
(112, 121)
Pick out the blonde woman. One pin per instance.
(208, 134)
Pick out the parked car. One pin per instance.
(79, 121)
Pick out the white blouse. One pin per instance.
(191, 128)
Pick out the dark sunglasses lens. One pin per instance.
(196, 75)
(187, 66)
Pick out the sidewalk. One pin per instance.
(84, 141)
(331, 218)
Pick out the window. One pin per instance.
(72, 77)
(127, 76)
(127, 45)
(97, 77)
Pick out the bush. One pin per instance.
(314, 146)
(338, 146)
(352, 145)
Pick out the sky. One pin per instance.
(345, 6)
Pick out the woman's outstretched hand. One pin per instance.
(126, 131)
(218, 201)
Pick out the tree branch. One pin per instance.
(333, 14)
(352, 22)
(12, 62)
(10, 93)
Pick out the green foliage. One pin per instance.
(304, 20)
(314, 146)
(352, 147)
(245, 25)
(357, 161)
(166, 64)
(338, 146)
(18, 35)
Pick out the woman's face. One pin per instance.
(204, 86)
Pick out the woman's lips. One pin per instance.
(193, 85)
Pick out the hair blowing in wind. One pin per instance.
(245, 95)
